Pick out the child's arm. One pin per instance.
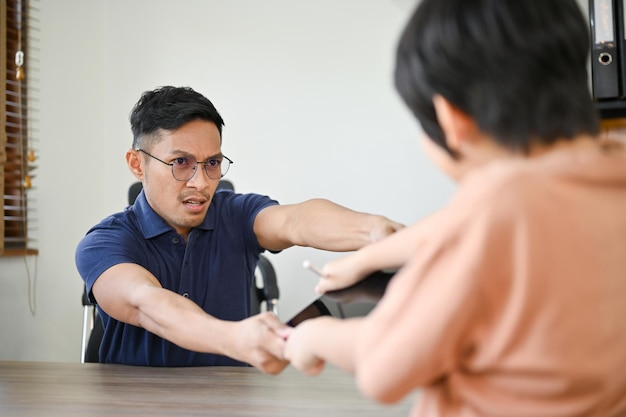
(413, 337)
(391, 252)
(388, 351)
(324, 339)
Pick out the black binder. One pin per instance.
(605, 59)
(620, 19)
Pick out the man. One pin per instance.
(172, 273)
(510, 299)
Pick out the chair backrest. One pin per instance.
(136, 187)
(264, 293)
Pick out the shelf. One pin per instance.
(18, 252)
(611, 109)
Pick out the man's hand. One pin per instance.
(383, 228)
(257, 341)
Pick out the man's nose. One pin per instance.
(200, 178)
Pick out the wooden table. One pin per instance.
(36, 389)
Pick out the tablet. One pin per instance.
(369, 290)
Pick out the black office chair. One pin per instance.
(264, 293)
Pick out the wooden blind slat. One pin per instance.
(14, 138)
(3, 136)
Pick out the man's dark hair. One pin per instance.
(168, 108)
(517, 67)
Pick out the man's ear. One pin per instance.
(458, 127)
(135, 164)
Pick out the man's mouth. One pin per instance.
(195, 203)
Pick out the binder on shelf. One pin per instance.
(605, 59)
(620, 19)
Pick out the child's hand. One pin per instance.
(299, 349)
(341, 273)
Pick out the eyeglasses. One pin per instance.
(185, 167)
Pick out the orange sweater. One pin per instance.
(514, 303)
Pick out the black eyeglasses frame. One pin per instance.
(195, 167)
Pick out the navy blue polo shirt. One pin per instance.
(214, 268)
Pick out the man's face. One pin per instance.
(182, 204)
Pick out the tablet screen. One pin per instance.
(368, 290)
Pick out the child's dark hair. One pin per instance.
(517, 67)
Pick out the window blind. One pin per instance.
(17, 151)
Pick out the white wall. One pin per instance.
(305, 88)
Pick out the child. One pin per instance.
(511, 300)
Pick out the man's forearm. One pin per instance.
(325, 225)
(181, 321)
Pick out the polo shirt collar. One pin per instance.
(153, 225)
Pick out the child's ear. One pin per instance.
(134, 163)
(458, 127)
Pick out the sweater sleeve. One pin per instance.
(438, 306)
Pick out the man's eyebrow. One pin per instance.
(180, 152)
